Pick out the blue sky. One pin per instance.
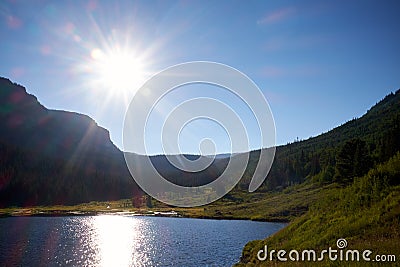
(318, 63)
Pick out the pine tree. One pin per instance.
(352, 161)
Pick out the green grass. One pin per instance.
(273, 206)
(365, 213)
(276, 206)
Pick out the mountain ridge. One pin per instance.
(46, 154)
(379, 127)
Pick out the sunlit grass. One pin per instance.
(272, 206)
(365, 213)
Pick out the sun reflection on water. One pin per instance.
(119, 241)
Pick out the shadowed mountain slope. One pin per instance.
(55, 157)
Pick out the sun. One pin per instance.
(119, 70)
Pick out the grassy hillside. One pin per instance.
(365, 213)
(342, 184)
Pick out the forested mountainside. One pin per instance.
(340, 154)
(55, 157)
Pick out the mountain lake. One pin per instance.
(112, 240)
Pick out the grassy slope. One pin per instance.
(277, 206)
(366, 214)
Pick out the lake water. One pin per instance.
(110, 240)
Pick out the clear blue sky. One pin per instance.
(318, 63)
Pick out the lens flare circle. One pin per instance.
(153, 90)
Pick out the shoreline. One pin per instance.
(172, 214)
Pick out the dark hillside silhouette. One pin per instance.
(55, 157)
